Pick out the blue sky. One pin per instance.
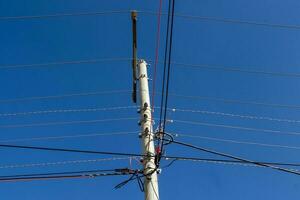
(243, 46)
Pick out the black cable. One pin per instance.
(170, 140)
(132, 177)
(59, 173)
(171, 163)
(96, 173)
(69, 150)
(235, 157)
(168, 79)
(60, 177)
(141, 155)
(165, 67)
(72, 174)
(169, 67)
(177, 158)
(135, 176)
(140, 183)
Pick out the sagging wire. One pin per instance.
(137, 175)
(134, 176)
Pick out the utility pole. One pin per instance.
(139, 74)
(147, 136)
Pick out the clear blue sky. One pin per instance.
(243, 46)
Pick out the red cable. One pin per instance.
(156, 53)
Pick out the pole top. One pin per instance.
(133, 14)
(142, 61)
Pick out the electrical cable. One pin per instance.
(68, 150)
(235, 101)
(65, 175)
(182, 158)
(66, 122)
(169, 164)
(133, 154)
(234, 69)
(181, 15)
(61, 137)
(155, 192)
(11, 18)
(238, 127)
(58, 173)
(54, 177)
(66, 162)
(231, 21)
(174, 158)
(166, 79)
(156, 53)
(165, 67)
(235, 21)
(108, 92)
(236, 141)
(231, 69)
(175, 64)
(220, 161)
(242, 116)
(70, 62)
(169, 65)
(67, 111)
(235, 157)
(134, 176)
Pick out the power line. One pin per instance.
(56, 173)
(68, 150)
(70, 62)
(231, 21)
(67, 175)
(183, 158)
(128, 91)
(162, 100)
(231, 69)
(54, 177)
(71, 136)
(82, 94)
(181, 15)
(25, 165)
(67, 111)
(156, 53)
(234, 101)
(169, 64)
(66, 122)
(11, 18)
(234, 69)
(126, 158)
(252, 117)
(125, 154)
(235, 141)
(176, 64)
(166, 79)
(47, 164)
(236, 21)
(98, 173)
(237, 127)
(231, 162)
(235, 157)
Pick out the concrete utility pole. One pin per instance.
(147, 136)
